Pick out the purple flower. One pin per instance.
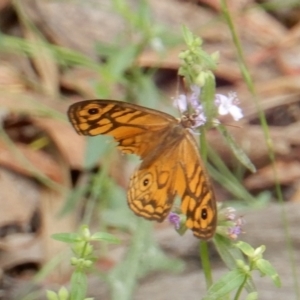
(199, 119)
(228, 105)
(181, 103)
(174, 219)
(236, 229)
(230, 213)
(190, 107)
(233, 232)
(194, 97)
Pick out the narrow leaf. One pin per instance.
(66, 237)
(226, 284)
(78, 285)
(236, 149)
(245, 248)
(252, 296)
(103, 236)
(227, 251)
(266, 268)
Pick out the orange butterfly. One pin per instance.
(171, 163)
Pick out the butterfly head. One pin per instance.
(192, 120)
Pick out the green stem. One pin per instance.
(240, 289)
(206, 264)
(203, 145)
(124, 277)
(82, 255)
(248, 79)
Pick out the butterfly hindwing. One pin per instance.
(197, 198)
(151, 192)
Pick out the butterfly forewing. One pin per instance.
(134, 127)
(171, 163)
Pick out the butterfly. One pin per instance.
(171, 164)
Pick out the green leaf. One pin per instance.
(221, 173)
(230, 254)
(187, 35)
(119, 218)
(78, 285)
(97, 148)
(63, 293)
(266, 268)
(236, 149)
(226, 284)
(51, 295)
(209, 63)
(245, 248)
(103, 236)
(227, 250)
(258, 252)
(207, 96)
(66, 237)
(252, 296)
(142, 257)
(122, 61)
(63, 56)
(73, 198)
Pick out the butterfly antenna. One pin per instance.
(231, 125)
(180, 85)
